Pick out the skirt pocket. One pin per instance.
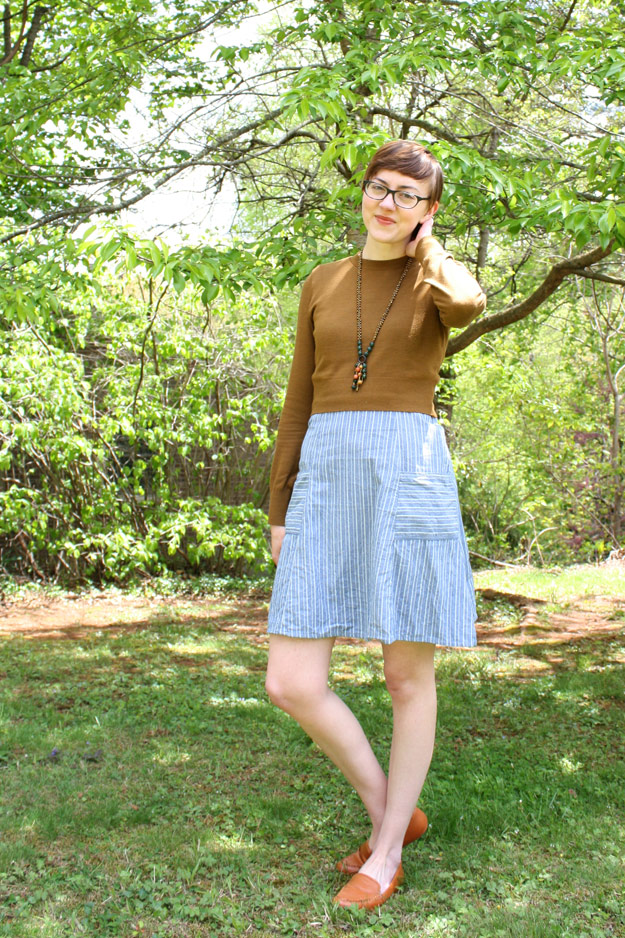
(295, 511)
(427, 507)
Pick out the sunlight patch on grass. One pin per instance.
(568, 766)
(557, 585)
(230, 701)
(171, 757)
(197, 647)
(438, 926)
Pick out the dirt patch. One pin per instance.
(591, 617)
(76, 617)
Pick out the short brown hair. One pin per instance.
(410, 158)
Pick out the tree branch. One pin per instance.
(408, 121)
(592, 275)
(12, 51)
(35, 26)
(78, 213)
(518, 311)
(568, 16)
(6, 28)
(482, 251)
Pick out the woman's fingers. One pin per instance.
(424, 230)
(277, 536)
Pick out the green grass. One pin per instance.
(207, 812)
(560, 584)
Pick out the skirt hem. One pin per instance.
(339, 632)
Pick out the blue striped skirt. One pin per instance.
(374, 546)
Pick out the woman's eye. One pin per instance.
(377, 190)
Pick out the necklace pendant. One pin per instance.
(359, 375)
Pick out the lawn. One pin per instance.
(148, 788)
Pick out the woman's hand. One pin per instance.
(424, 230)
(277, 536)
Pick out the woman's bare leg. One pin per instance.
(409, 672)
(297, 682)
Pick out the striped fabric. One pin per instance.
(374, 546)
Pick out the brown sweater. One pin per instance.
(403, 367)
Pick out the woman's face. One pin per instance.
(386, 222)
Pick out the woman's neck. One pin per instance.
(378, 251)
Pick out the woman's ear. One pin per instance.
(433, 210)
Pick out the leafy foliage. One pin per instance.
(532, 429)
(135, 436)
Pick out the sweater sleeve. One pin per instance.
(456, 293)
(295, 413)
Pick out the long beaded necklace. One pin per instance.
(360, 368)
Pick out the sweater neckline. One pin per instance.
(395, 263)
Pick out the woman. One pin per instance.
(372, 544)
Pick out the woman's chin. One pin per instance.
(386, 235)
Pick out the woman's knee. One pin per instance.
(401, 686)
(278, 691)
(292, 695)
(411, 677)
(297, 672)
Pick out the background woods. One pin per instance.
(141, 376)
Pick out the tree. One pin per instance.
(524, 106)
(104, 105)
(69, 75)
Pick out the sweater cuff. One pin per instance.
(278, 504)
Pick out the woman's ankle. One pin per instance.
(375, 833)
(388, 855)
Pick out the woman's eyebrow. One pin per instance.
(379, 178)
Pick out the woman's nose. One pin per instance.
(388, 200)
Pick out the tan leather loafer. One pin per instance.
(364, 892)
(416, 828)
(354, 861)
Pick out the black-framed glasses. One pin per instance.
(401, 197)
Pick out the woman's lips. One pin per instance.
(384, 220)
